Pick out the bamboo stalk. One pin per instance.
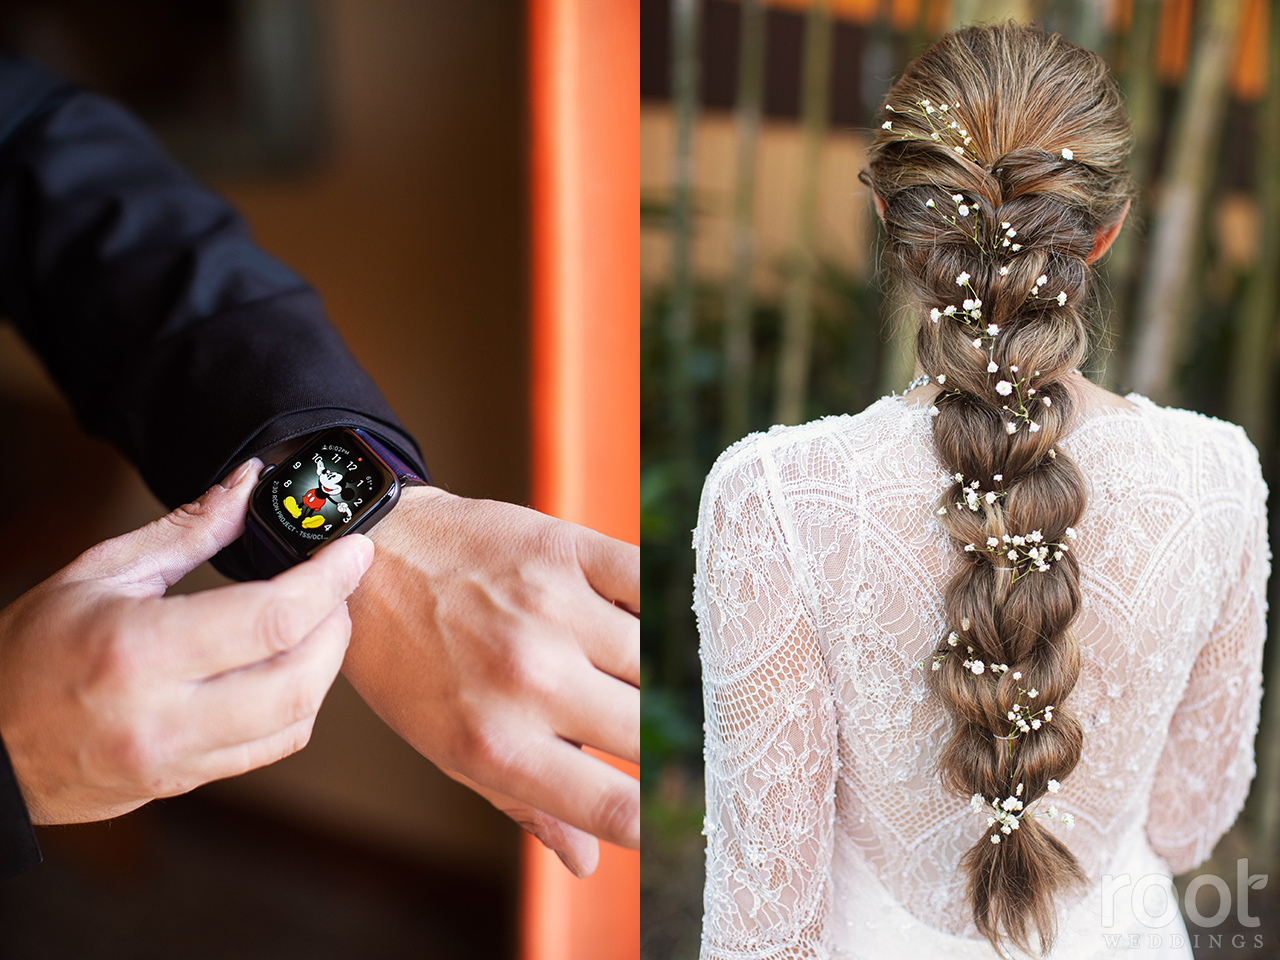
(1142, 92)
(738, 348)
(1167, 299)
(680, 315)
(797, 325)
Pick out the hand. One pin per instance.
(112, 694)
(487, 636)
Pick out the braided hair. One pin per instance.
(1001, 158)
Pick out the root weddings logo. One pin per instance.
(1207, 903)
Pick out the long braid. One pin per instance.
(992, 204)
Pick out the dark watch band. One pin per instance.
(406, 473)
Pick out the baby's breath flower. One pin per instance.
(1005, 225)
(1042, 280)
(1004, 271)
(1068, 820)
(1067, 154)
(965, 623)
(933, 411)
(958, 197)
(1062, 298)
(942, 378)
(1033, 427)
(1004, 387)
(935, 314)
(887, 125)
(962, 278)
(1016, 247)
(992, 367)
(997, 477)
(963, 210)
(929, 203)
(1010, 427)
(1054, 786)
(959, 150)
(977, 343)
(1047, 401)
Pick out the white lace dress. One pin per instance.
(820, 569)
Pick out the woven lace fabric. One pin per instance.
(818, 592)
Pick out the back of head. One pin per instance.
(1001, 159)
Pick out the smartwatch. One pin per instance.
(338, 481)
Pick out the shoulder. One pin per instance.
(1218, 451)
(838, 448)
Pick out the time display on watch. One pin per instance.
(320, 492)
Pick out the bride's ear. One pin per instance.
(881, 206)
(1103, 239)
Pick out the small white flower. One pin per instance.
(934, 136)
(1047, 401)
(1004, 387)
(977, 343)
(929, 203)
(990, 497)
(1033, 427)
(942, 378)
(969, 548)
(1053, 811)
(1062, 298)
(937, 664)
(933, 411)
(1071, 533)
(1017, 674)
(1004, 271)
(942, 511)
(998, 477)
(950, 310)
(992, 330)
(995, 838)
(1005, 225)
(1013, 368)
(965, 623)
(959, 150)
(1013, 554)
(969, 304)
(977, 667)
(1053, 454)
(992, 367)
(953, 639)
(1018, 792)
(935, 314)
(958, 197)
(1033, 693)
(1042, 280)
(1069, 820)
(887, 125)
(992, 542)
(1067, 154)
(962, 278)
(1011, 427)
(1016, 247)
(977, 801)
(964, 210)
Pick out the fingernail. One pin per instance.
(237, 476)
(366, 550)
(568, 866)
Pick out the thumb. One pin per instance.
(155, 557)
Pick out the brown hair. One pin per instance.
(1019, 97)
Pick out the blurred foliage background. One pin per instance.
(761, 304)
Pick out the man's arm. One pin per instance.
(490, 637)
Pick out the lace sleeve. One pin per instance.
(770, 727)
(1204, 773)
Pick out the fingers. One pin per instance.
(577, 849)
(610, 638)
(570, 785)
(612, 567)
(246, 705)
(239, 625)
(242, 757)
(153, 558)
(603, 713)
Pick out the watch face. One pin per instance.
(322, 490)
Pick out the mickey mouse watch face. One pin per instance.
(332, 485)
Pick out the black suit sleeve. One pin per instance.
(171, 333)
